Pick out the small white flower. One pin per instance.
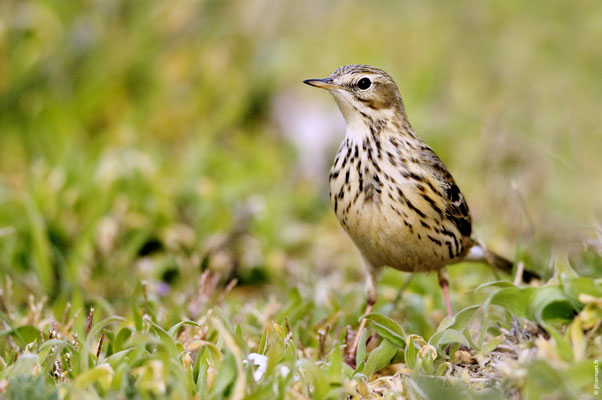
(261, 363)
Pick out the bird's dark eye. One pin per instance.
(364, 83)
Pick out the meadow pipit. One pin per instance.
(390, 191)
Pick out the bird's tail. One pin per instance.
(480, 253)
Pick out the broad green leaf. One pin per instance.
(26, 364)
(174, 329)
(279, 331)
(456, 346)
(573, 287)
(120, 340)
(116, 359)
(577, 338)
(388, 329)
(317, 380)
(441, 369)
(138, 323)
(290, 351)
(216, 355)
(513, 299)
(550, 305)
(482, 334)
(471, 343)
(60, 343)
(238, 388)
(445, 323)
(497, 284)
(446, 337)
(335, 364)
(120, 371)
(360, 354)
(460, 321)
(425, 387)
(380, 357)
(275, 353)
(546, 378)
(263, 342)
(99, 326)
(411, 352)
(359, 370)
(165, 339)
(240, 340)
(493, 344)
(226, 373)
(201, 365)
(579, 375)
(563, 345)
(24, 334)
(101, 374)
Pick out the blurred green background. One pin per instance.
(151, 140)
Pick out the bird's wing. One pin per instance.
(455, 207)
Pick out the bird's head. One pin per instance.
(362, 90)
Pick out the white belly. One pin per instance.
(384, 239)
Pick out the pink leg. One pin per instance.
(444, 283)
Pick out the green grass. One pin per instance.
(147, 172)
(243, 346)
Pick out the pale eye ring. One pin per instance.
(364, 83)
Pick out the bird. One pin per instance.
(390, 191)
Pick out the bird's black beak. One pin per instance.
(325, 83)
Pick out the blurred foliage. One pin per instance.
(152, 157)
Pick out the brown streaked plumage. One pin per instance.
(390, 191)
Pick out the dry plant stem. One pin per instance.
(518, 278)
(227, 290)
(358, 334)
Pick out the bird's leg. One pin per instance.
(444, 283)
(372, 295)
